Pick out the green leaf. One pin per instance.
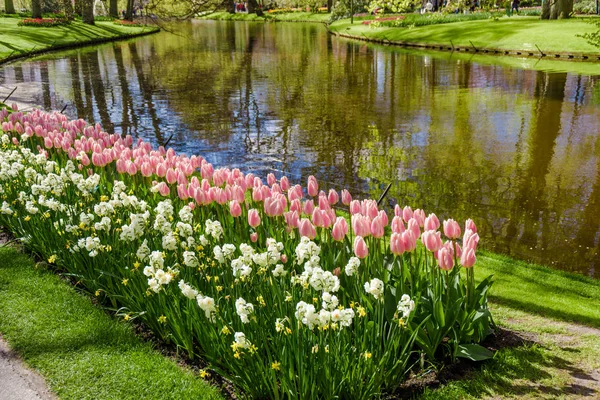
(474, 352)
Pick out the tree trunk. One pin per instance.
(9, 7)
(329, 5)
(254, 9)
(88, 12)
(129, 12)
(557, 9)
(113, 9)
(36, 9)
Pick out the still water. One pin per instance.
(516, 150)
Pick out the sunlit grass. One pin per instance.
(516, 33)
(17, 40)
(80, 350)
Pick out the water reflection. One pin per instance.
(517, 150)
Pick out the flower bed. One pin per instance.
(384, 19)
(270, 283)
(44, 22)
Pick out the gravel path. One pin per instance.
(17, 382)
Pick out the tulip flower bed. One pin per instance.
(44, 22)
(269, 283)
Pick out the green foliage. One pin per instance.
(393, 6)
(585, 7)
(343, 8)
(414, 20)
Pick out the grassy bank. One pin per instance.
(18, 41)
(79, 349)
(283, 17)
(516, 33)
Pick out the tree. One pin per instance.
(78, 7)
(113, 9)
(254, 8)
(87, 12)
(129, 10)
(9, 7)
(557, 9)
(36, 9)
(67, 6)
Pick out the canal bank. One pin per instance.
(18, 42)
(516, 36)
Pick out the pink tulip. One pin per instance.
(85, 160)
(285, 183)
(468, 258)
(370, 208)
(432, 223)
(397, 211)
(333, 197)
(309, 207)
(445, 259)
(419, 215)
(284, 258)
(340, 229)
(384, 217)
(171, 176)
(407, 213)
(355, 207)
(307, 229)
(413, 226)
(317, 218)
(470, 240)
(432, 240)
(361, 225)
(409, 240)
(397, 244)
(131, 168)
(257, 194)
(161, 170)
(451, 229)
(346, 197)
(164, 189)
(377, 227)
(313, 186)
(469, 224)
(182, 192)
(360, 247)
(292, 219)
(296, 205)
(397, 224)
(254, 237)
(253, 218)
(271, 179)
(235, 209)
(324, 203)
(146, 169)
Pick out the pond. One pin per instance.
(516, 150)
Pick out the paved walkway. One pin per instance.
(17, 382)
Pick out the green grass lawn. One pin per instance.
(16, 39)
(516, 33)
(77, 347)
(289, 17)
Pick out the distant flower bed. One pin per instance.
(128, 23)
(370, 21)
(44, 22)
(274, 284)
